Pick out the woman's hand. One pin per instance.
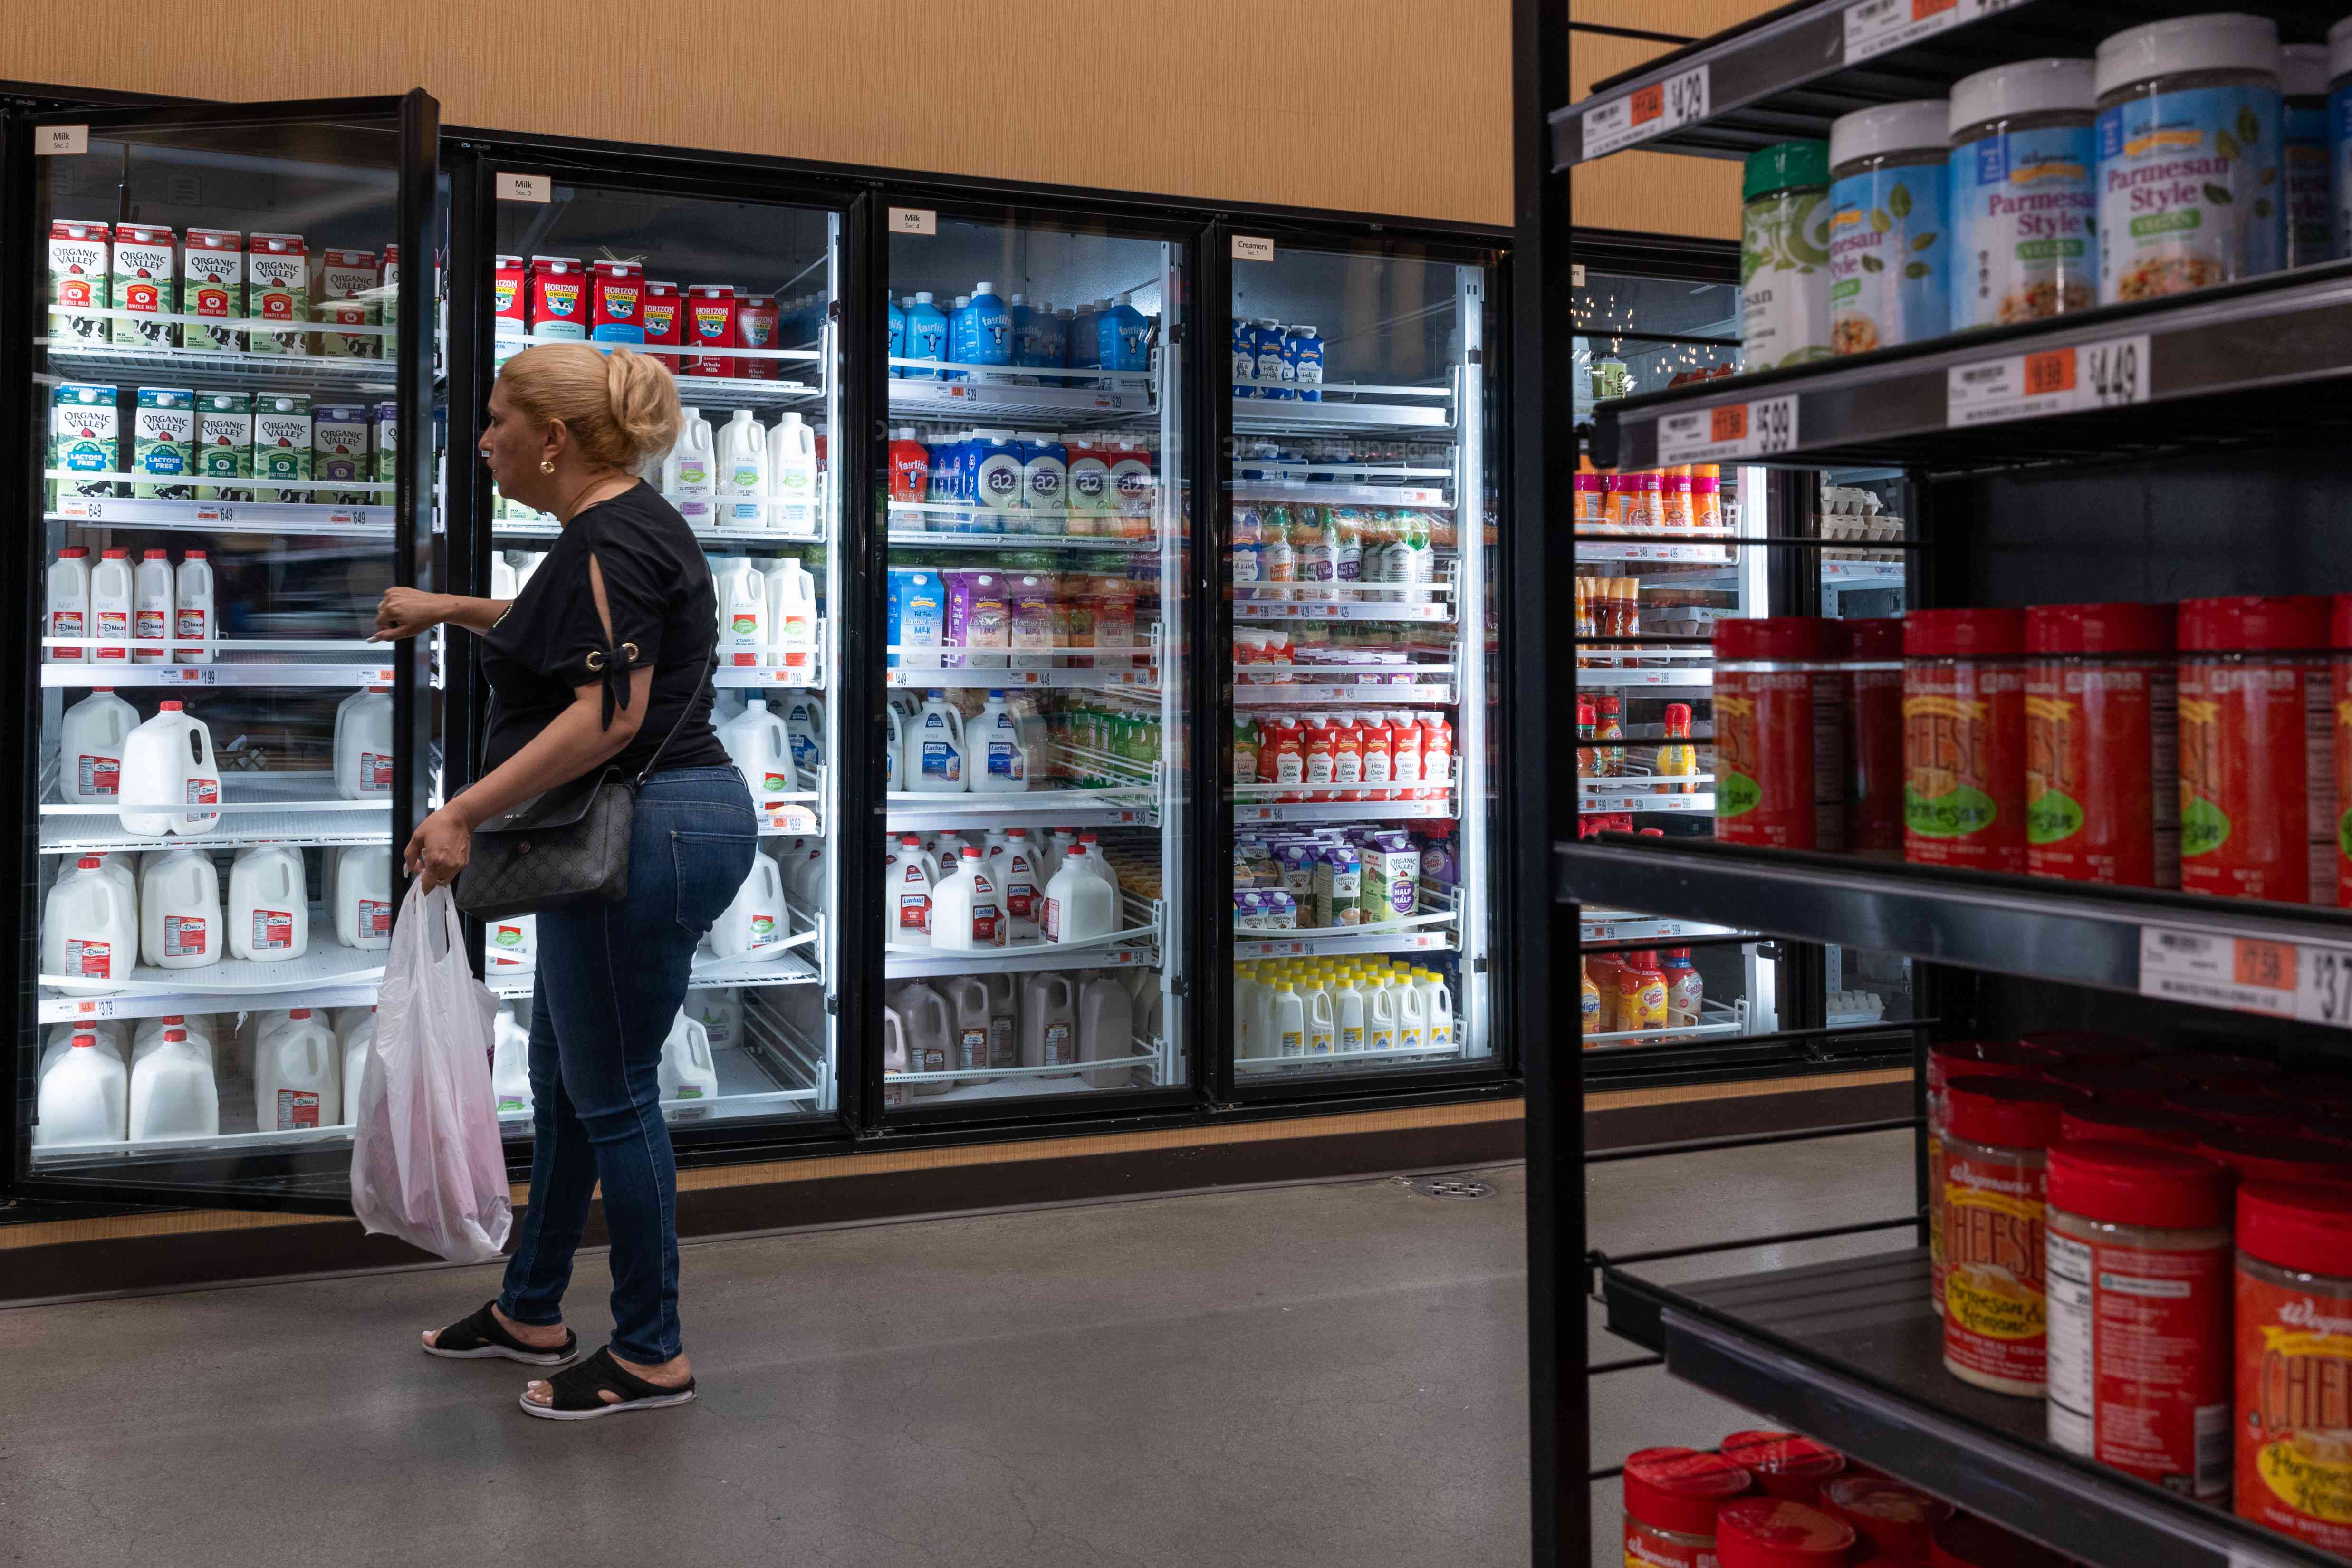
(440, 847)
(404, 612)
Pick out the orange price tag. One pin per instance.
(2269, 964)
(1648, 103)
(2050, 371)
(1728, 423)
(1923, 9)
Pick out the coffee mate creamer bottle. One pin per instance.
(224, 444)
(278, 289)
(281, 442)
(211, 285)
(80, 268)
(145, 283)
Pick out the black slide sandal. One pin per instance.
(575, 1390)
(480, 1335)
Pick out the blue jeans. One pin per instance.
(611, 978)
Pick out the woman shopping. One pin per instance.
(603, 661)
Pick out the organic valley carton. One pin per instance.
(211, 285)
(278, 289)
(385, 418)
(343, 275)
(334, 342)
(146, 282)
(163, 443)
(339, 450)
(281, 444)
(85, 435)
(223, 444)
(80, 266)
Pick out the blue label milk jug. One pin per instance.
(926, 335)
(898, 334)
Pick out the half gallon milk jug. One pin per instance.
(1380, 1015)
(84, 1096)
(1105, 1029)
(511, 1065)
(743, 472)
(968, 1018)
(354, 1044)
(742, 594)
(687, 1070)
(1000, 750)
(907, 895)
(805, 875)
(363, 746)
(894, 1042)
(756, 918)
(68, 605)
(934, 762)
(791, 611)
(1412, 1016)
(89, 930)
(296, 1078)
(167, 762)
(180, 910)
(931, 1037)
(792, 464)
(90, 748)
(756, 744)
(151, 619)
(268, 906)
(1079, 905)
(193, 619)
(690, 471)
(363, 896)
(112, 589)
(1437, 1006)
(805, 729)
(967, 912)
(1003, 1021)
(173, 1094)
(1049, 1021)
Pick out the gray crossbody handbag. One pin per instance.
(563, 846)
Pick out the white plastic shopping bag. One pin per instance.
(426, 1166)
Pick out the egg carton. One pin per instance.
(1849, 1007)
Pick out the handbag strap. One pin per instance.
(647, 771)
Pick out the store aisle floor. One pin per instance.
(1296, 1376)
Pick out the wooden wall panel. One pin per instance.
(1378, 106)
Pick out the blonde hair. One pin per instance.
(621, 408)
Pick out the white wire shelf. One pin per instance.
(1671, 548)
(1115, 807)
(1077, 669)
(1136, 945)
(225, 516)
(1373, 685)
(1623, 925)
(1641, 790)
(325, 975)
(71, 359)
(1122, 394)
(1315, 1061)
(255, 808)
(237, 661)
(1258, 802)
(1023, 1076)
(1426, 932)
(1342, 408)
(955, 539)
(1716, 1021)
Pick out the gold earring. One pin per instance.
(545, 467)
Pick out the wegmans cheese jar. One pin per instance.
(2294, 1362)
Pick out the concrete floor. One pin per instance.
(1297, 1377)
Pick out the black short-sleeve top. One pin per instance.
(665, 613)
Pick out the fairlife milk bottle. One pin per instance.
(897, 332)
(926, 336)
(987, 331)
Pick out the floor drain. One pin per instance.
(1451, 1187)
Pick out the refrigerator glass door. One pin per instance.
(1033, 665)
(228, 369)
(648, 265)
(1360, 666)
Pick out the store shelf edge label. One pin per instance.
(512, 187)
(1253, 247)
(1646, 111)
(2110, 373)
(60, 140)
(2310, 981)
(1764, 427)
(914, 220)
(1875, 26)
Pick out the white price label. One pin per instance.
(1875, 26)
(513, 187)
(1576, 275)
(914, 220)
(60, 140)
(1253, 247)
(2310, 981)
(2106, 374)
(1646, 111)
(1763, 428)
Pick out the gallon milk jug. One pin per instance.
(511, 1065)
(967, 912)
(968, 1020)
(1049, 1021)
(1079, 905)
(931, 1037)
(167, 762)
(84, 1096)
(193, 619)
(742, 594)
(743, 472)
(363, 746)
(268, 906)
(179, 911)
(906, 896)
(296, 1077)
(363, 896)
(90, 748)
(504, 584)
(1000, 750)
(719, 1011)
(1009, 856)
(151, 617)
(124, 867)
(756, 744)
(791, 463)
(511, 945)
(687, 1070)
(805, 729)
(89, 930)
(934, 761)
(755, 919)
(173, 1094)
(690, 471)
(1003, 1021)
(1105, 1029)
(112, 588)
(896, 753)
(894, 1039)
(1099, 864)
(353, 1046)
(68, 605)
(805, 875)
(791, 611)
(151, 1036)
